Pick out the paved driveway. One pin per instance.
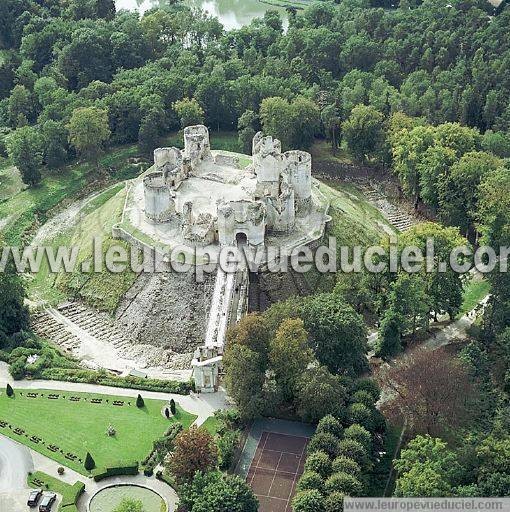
(15, 463)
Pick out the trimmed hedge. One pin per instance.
(104, 379)
(70, 498)
(102, 473)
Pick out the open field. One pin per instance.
(79, 426)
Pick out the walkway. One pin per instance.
(15, 463)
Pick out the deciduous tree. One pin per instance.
(194, 451)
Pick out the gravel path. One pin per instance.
(457, 330)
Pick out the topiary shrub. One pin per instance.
(89, 462)
(334, 502)
(360, 413)
(344, 483)
(60, 470)
(345, 465)
(330, 425)
(9, 391)
(173, 408)
(320, 463)
(308, 501)
(311, 480)
(354, 450)
(360, 434)
(324, 442)
(139, 401)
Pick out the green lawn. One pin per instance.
(474, 291)
(25, 208)
(80, 427)
(211, 424)
(355, 221)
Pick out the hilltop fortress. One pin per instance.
(210, 199)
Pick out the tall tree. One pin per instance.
(364, 132)
(290, 355)
(25, 148)
(426, 468)
(433, 391)
(337, 333)
(89, 131)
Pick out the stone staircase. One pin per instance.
(93, 323)
(47, 326)
(70, 322)
(396, 216)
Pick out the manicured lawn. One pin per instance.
(80, 426)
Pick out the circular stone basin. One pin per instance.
(109, 498)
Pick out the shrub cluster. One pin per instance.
(160, 448)
(105, 379)
(340, 453)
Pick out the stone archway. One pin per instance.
(241, 239)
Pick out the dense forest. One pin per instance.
(422, 90)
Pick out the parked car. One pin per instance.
(34, 497)
(47, 502)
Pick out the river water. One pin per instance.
(231, 13)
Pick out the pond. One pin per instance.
(109, 498)
(231, 13)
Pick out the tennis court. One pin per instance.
(275, 470)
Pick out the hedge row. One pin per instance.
(70, 498)
(127, 469)
(104, 379)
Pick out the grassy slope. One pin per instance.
(102, 290)
(98, 217)
(80, 427)
(25, 208)
(10, 180)
(354, 221)
(475, 290)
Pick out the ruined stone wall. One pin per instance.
(246, 217)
